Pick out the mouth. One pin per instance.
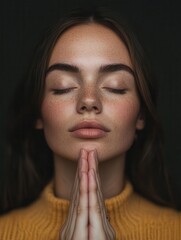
(89, 129)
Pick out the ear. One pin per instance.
(39, 124)
(140, 123)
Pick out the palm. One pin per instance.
(87, 214)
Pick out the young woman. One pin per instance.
(84, 159)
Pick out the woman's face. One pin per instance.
(90, 98)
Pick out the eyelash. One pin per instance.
(117, 91)
(62, 91)
(67, 90)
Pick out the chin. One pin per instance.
(91, 146)
(74, 154)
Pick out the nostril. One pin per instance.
(95, 108)
(84, 108)
(89, 108)
(87, 104)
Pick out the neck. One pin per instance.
(111, 177)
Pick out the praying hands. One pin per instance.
(87, 218)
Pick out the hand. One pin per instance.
(87, 213)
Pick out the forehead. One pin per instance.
(90, 44)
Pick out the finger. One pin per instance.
(93, 164)
(106, 224)
(82, 162)
(93, 161)
(80, 230)
(101, 228)
(81, 211)
(82, 201)
(68, 227)
(94, 206)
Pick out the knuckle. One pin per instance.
(74, 207)
(80, 210)
(96, 208)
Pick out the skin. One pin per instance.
(90, 96)
(87, 218)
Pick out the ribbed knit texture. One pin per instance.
(132, 217)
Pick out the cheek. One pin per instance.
(126, 113)
(54, 119)
(54, 111)
(126, 116)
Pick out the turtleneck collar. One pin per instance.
(60, 206)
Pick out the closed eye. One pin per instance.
(62, 91)
(117, 91)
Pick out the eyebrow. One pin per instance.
(103, 69)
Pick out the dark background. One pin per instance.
(157, 24)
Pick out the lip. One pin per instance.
(89, 129)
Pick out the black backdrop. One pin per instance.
(157, 26)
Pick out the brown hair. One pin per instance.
(29, 162)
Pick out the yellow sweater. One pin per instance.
(132, 217)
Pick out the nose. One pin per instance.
(89, 101)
